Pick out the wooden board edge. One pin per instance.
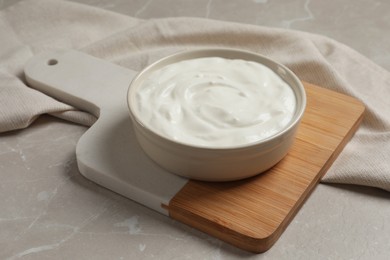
(262, 244)
(278, 232)
(242, 241)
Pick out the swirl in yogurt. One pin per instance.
(215, 102)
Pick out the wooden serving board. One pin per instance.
(250, 214)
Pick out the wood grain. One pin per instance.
(252, 214)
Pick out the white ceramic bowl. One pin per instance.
(217, 164)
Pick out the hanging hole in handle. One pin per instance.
(52, 62)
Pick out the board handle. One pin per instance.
(78, 79)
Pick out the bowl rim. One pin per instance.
(221, 52)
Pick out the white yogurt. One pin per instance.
(215, 102)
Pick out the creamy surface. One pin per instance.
(215, 102)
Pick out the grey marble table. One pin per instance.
(49, 211)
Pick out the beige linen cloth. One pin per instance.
(30, 27)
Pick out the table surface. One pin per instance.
(49, 211)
